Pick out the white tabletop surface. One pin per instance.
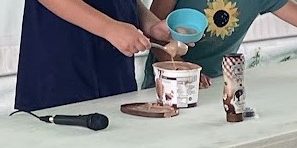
(271, 90)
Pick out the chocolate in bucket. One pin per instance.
(177, 83)
(234, 92)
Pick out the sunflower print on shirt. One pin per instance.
(222, 17)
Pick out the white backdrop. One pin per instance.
(11, 12)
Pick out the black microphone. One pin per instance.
(92, 121)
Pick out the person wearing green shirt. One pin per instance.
(228, 23)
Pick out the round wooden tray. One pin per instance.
(149, 110)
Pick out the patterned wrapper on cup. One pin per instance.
(234, 92)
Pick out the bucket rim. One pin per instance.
(196, 67)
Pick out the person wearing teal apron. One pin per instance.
(62, 62)
(229, 21)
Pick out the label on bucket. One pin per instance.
(177, 83)
(179, 91)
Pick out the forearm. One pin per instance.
(161, 8)
(288, 13)
(147, 18)
(81, 14)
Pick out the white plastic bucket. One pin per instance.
(178, 88)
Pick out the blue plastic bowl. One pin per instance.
(187, 18)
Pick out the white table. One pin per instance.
(271, 90)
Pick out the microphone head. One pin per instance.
(97, 121)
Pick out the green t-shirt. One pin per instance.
(228, 22)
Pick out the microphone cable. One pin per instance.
(18, 111)
(41, 118)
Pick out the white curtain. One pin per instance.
(11, 12)
(147, 3)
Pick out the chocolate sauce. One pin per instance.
(234, 92)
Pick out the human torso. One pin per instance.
(61, 63)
